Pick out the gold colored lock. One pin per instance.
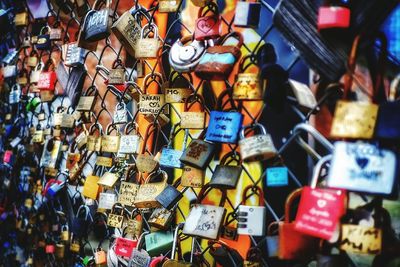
(60, 251)
(192, 177)
(147, 48)
(167, 6)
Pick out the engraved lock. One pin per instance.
(178, 88)
(124, 246)
(98, 22)
(21, 19)
(304, 95)
(161, 218)
(247, 85)
(170, 196)
(257, 147)
(277, 176)
(208, 26)
(110, 143)
(147, 48)
(224, 126)
(151, 104)
(116, 216)
(129, 141)
(35, 74)
(193, 119)
(145, 162)
(90, 187)
(205, 220)
(251, 219)
(185, 54)
(199, 153)
(55, 33)
(120, 114)
(127, 30)
(116, 75)
(247, 14)
(226, 176)
(135, 225)
(192, 177)
(159, 242)
(106, 200)
(108, 179)
(170, 157)
(147, 193)
(128, 190)
(168, 6)
(94, 141)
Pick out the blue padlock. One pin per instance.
(224, 127)
(54, 189)
(277, 176)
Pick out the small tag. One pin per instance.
(277, 176)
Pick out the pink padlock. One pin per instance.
(50, 249)
(7, 156)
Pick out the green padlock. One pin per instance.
(86, 260)
(32, 104)
(159, 242)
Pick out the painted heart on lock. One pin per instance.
(321, 203)
(362, 162)
(206, 24)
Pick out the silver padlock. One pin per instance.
(257, 147)
(251, 219)
(186, 53)
(120, 114)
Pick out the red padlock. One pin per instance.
(208, 27)
(333, 17)
(50, 249)
(124, 246)
(48, 77)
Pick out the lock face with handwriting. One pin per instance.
(127, 30)
(208, 26)
(224, 126)
(147, 48)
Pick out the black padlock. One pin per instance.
(169, 196)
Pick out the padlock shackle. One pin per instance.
(318, 168)
(152, 128)
(289, 201)
(175, 75)
(255, 190)
(252, 126)
(197, 99)
(98, 3)
(233, 156)
(117, 206)
(153, 76)
(270, 230)
(211, 7)
(253, 61)
(178, 228)
(156, 174)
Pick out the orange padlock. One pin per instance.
(100, 256)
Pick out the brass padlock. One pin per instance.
(116, 217)
(32, 59)
(161, 218)
(117, 73)
(94, 140)
(145, 162)
(247, 85)
(147, 193)
(128, 190)
(60, 251)
(193, 119)
(135, 224)
(75, 246)
(127, 30)
(147, 48)
(21, 19)
(192, 177)
(64, 233)
(110, 143)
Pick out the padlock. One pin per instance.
(22, 78)
(178, 87)
(90, 187)
(247, 14)
(257, 147)
(333, 16)
(152, 105)
(116, 74)
(129, 141)
(60, 251)
(51, 152)
(304, 95)
(32, 59)
(354, 119)
(64, 233)
(193, 119)
(168, 6)
(253, 258)
(107, 200)
(47, 77)
(170, 196)
(199, 153)
(176, 247)
(108, 179)
(147, 48)
(21, 19)
(9, 71)
(35, 73)
(74, 55)
(127, 30)
(226, 176)
(128, 190)
(120, 114)
(320, 209)
(158, 242)
(110, 143)
(97, 24)
(161, 218)
(81, 222)
(251, 219)
(100, 256)
(192, 177)
(170, 156)
(147, 193)
(186, 53)
(56, 32)
(124, 246)
(140, 257)
(146, 163)
(247, 84)
(205, 220)
(294, 245)
(43, 41)
(116, 216)
(15, 94)
(75, 246)
(135, 224)
(277, 176)
(50, 248)
(208, 27)
(272, 240)
(94, 140)
(224, 126)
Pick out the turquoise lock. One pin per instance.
(277, 176)
(158, 242)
